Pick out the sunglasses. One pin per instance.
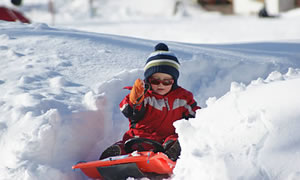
(165, 82)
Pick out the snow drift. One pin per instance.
(249, 133)
(60, 91)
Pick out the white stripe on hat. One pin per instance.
(159, 62)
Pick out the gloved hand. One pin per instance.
(136, 95)
(172, 149)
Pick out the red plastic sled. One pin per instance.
(136, 164)
(8, 14)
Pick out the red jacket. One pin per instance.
(154, 117)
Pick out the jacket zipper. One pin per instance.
(167, 104)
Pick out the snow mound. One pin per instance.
(249, 133)
(60, 90)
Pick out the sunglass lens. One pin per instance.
(167, 82)
(155, 81)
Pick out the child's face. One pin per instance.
(165, 83)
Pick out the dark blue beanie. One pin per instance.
(163, 61)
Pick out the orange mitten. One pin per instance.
(136, 95)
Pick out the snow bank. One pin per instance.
(249, 133)
(60, 91)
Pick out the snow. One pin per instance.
(61, 85)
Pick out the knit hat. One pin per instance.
(163, 61)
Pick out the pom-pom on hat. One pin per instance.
(163, 61)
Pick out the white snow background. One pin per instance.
(60, 87)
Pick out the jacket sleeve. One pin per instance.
(191, 107)
(133, 112)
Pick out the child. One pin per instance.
(152, 112)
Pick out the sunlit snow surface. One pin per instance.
(60, 89)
